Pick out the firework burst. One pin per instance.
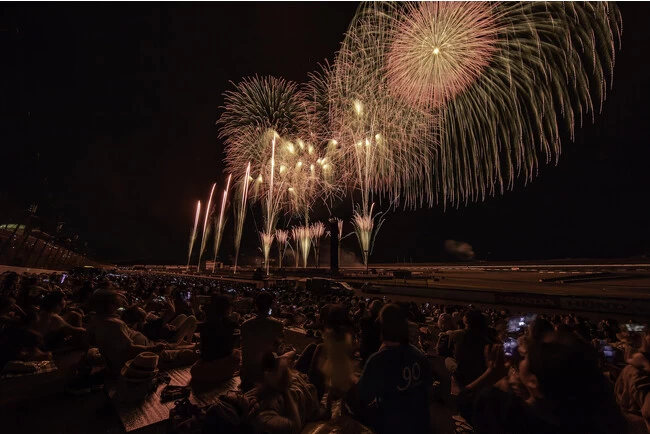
(255, 112)
(438, 49)
(499, 81)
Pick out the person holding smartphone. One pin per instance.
(565, 392)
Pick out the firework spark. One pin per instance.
(240, 212)
(316, 231)
(366, 224)
(219, 225)
(266, 240)
(302, 237)
(282, 241)
(193, 233)
(204, 237)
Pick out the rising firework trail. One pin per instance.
(366, 225)
(339, 223)
(302, 237)
(204, 237)
(282, 240)
(240, 213)
(317, 230)
(295, 236)
(266, 236)
(220, 223)
(193, 233)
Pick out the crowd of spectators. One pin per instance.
(385, 361)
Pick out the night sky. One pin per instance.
(108, 123)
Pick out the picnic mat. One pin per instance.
(152, 411)
(19, 368)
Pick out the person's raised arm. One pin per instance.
(496, 370)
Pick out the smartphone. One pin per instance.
(367, 300)
(608, 353)
(510, 347)
(120, 309)
(638, 328)
(270, 312)
(46, 280)
(63, 277)
(188, 295)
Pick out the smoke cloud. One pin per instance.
(459, 250)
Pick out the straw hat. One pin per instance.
(142, 368)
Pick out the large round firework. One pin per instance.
(496, 84)
(438, 49)
(255, 110)
(266, 123)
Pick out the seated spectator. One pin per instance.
(181, 306)
(56, 331)
(361, 312)
(10, 313)
(287, 401)
(567, 393)
(471, 348)
(393, 390)
(169, 327)
(540, 330)
(17, 342)
(115, 339)
(370, 331)
(414, 329)
(259, 336)
(633, 384)
(82, 298)
(220, 356)
(134, 317)
(337, 366)
(281, 404)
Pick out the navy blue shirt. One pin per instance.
(398, 378)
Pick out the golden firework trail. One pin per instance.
(204, 237)
(221, 223)
(193, 233)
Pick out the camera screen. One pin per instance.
(608, 353)
(510, 346)
(520, 322)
